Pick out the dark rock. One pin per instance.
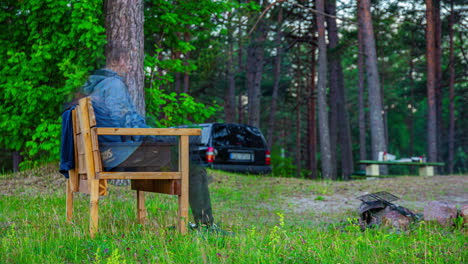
(441, 212)
(464, 214)
(395, 219)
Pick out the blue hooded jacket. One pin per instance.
(113, 108)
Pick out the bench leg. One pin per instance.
(184, 188)
(141, 209)
(94, 208)
(372, 170)
(426, 171)
(69, 201)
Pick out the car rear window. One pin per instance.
(237, 135)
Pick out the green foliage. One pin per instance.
(49, 49)
(284, 166)
(171, 109)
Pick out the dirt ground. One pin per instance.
(414, 193)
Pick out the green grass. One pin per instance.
(33, 227)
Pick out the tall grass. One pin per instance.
(33, 230)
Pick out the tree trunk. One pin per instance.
(311, 119)
(373, 84)
(298, 113)
(17, 159)
(240, 70)
(431, 83)
(230, 94)
(337, 84)
(438, 82)
(451, 134)
(325, 150)
(125, 45)
(255, 61)
(361, 103)
(277, 73)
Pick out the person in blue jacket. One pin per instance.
(113, 107)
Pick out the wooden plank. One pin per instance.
(140, 175)
(84, 186)
(96, 152)
(141, 209)
(171, 187)
(184, 196)
(149, 131)
(73, 173)
(402, 163)
(92, 117)
(94, 207)
(69, 202)
(77, 121)
(90, 170)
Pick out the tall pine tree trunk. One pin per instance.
(378, 142)
(125, 45)
(325, 148)
(298, 112)
(277, 75)
(255, 62)
(337, 84)
(361, 94)
(230, 94)
(312, 139)
(451, 134)
(240, 70)
(431, 82)
(438, 82)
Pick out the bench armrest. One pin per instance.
(148, 131)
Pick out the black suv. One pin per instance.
(232, 147)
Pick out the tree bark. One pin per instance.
(361, 100)
(337, 84)
(298, 112)
(451, 134)
(325, 150)
(255, 62)
(240, 70)
(311, 118)
(17, 159)
(277, 73)
(438, 82)
(431, 82)
(125, 45)
(230, 94)
(373, 84)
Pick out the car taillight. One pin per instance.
(210, 155)
(267, 157)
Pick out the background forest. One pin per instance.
(254, 62)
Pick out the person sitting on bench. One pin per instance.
(113, 107)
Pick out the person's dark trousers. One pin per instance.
(150, 158)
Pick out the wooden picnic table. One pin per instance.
(425, 168)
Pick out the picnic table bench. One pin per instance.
(425, 168)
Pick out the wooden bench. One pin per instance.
(89, 177)
(425, 168)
